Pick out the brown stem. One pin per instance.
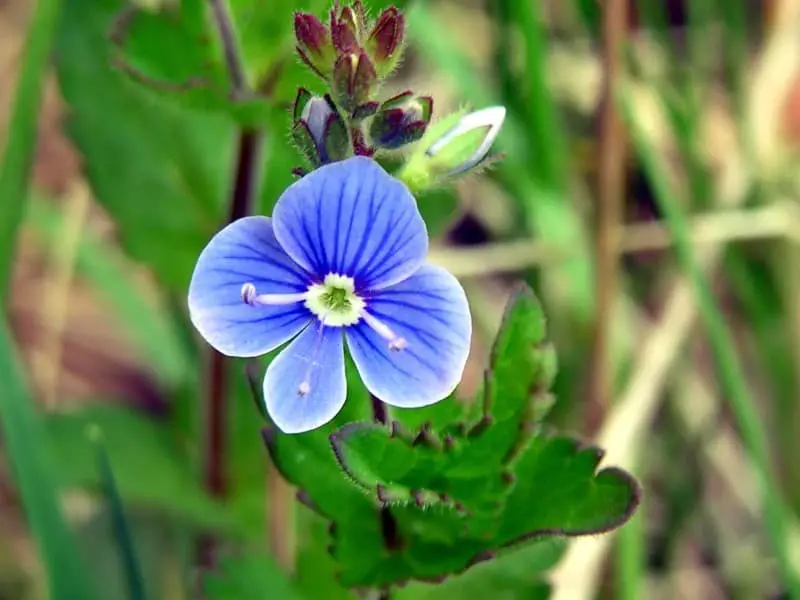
(611, 187)
(230, 48)
(240, 205)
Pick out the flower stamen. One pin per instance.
(251, 297)
(396, 343)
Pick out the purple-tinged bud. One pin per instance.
(385, 42)
(353, 79)
(366, 110)
(319, 130)
(344, 34)
(314, 43)
(401, 120)
(348, 27)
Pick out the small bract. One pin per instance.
(343, 256)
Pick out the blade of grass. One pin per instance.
(765, 312)
(546, 135)
(729, 370)
(26, 450)
(21, 141)
(122, 533)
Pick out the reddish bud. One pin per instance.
(313, 43)
(353, 79)
(385, 42)
(401, 120)
(344, 39)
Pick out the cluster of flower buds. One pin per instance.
(353, 55)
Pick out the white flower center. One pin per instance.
(335, 301)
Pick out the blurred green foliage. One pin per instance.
(153, 116)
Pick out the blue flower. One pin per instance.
(343, 256)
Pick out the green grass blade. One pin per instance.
(130, 564)
(21, 142)
(731, 376)
(545, 134)
(33, 474)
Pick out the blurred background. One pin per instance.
(648, 193)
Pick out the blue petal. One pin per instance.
(246, 251)
(430, 311)
(316, 358)
(352, 218)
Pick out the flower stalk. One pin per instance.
(240, 204)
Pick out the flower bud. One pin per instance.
(401, 120)
(347, 28)
(356, 18)
(353, 79)
(385, 42)
(453, 146)
(319, 130)
(314, 44)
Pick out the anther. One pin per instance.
(303, 388)
(398, 344)
(248, 293)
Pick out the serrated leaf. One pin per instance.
(402, 470)
(474, 509)
(560, 492)
(514, 576)
(464, 466)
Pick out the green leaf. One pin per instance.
(445, 498)
(247, 576)
(21, 136)
(513, 576)
(175, 52)
(135, 444)
(160, 171)
(34, 475)
(560, 492)
(464, 465)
